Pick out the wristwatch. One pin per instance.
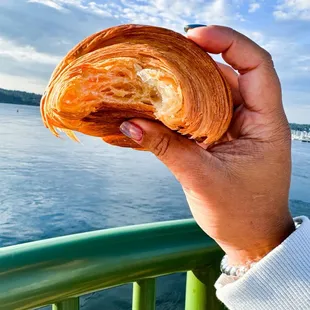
(239, 271)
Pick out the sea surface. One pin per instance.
(53, 187)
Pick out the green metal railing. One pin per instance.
(57, 271)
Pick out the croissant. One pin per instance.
(140, 71)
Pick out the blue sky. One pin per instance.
(36, 34)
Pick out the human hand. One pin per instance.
(237, 189)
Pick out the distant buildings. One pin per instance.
(303, 136)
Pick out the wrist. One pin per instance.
(238, 270)
(259, 248)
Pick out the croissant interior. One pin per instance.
(137, 71)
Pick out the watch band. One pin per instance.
(238, 271)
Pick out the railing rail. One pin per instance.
(57, 271)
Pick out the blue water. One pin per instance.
(52, 187)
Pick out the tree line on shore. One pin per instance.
(300, 127)
(19, 97)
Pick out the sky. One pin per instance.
(36, 34)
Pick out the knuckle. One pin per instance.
(233, 32)
(161, 145)
(280, 136)
(267, 55)
(267, 58)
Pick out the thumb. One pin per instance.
(181, 155)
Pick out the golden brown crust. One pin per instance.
(96, 87)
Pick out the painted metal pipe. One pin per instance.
(68, 304)
(144, 295)
(47, 271)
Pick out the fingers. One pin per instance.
(178, 153)
(232, 79)
(258, 82)
(237, 50)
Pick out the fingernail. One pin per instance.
(131, 131)
(192, 26)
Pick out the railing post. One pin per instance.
(144, 295)
(200, 291)
(68, 304)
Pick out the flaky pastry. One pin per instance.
(139, 71)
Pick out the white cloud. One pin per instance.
(297, 106)
(257, 36)
(25, 53)
(240, 17)
(303, 58)
(63, 5)
(22, 83)
(302, 63)
(98, 9)
(50, 3)
(253, 7)
(292, 9)
(171, 14)
(306, 69)
(287, 63)
(212, 13)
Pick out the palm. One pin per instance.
(243, 163)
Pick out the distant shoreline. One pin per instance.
(19, 97)
(31, 99)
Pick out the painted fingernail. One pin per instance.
(131, 131)
(192, 26)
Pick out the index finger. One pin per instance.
(258, 81)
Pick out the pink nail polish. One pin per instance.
(131, 131)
